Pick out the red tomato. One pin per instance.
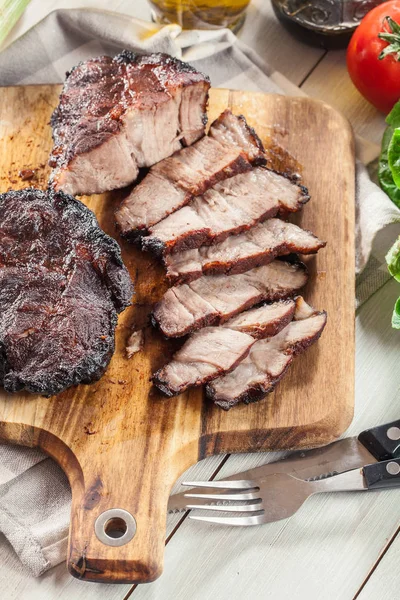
(377, 80)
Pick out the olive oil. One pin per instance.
(200, 14)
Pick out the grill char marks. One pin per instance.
(230, 148)
(213, 300)
(213, 351)
(62, 283)
(208, 353)
(239, 253)
(268, 360)
(231, 207)
(232, 130)
(116, 115)
(264, 321)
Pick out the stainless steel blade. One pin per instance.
(318, 463)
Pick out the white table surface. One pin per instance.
(338, 546)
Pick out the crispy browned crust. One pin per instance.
(57, 263)
(203, 237)
(160, 379)
(218, 318)
(239, 165)
(259, 158)
(241, 265)
(258, 391)
(95, 96)
(272, 328)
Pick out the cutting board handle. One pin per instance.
(119, 509)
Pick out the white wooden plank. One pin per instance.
(384, 582)
(326, 550)
(331, 82)
(15, 581)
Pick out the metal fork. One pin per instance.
(272, 498)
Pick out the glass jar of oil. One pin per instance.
(200, 14)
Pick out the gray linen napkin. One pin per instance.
(34, 492)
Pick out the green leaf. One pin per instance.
(385, 176)
(394, 156)
(393, 117)
(10, 12)
(393, 260)
(396, 315)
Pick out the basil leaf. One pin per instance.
(393, 117)
(394, 156)
(393, 260)
(396, 315)
(385, 176)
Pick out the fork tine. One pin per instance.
(235, 521)
(253, 507)
(226, 485)
(235, 496)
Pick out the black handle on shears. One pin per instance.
(383, 441)
(382, 474)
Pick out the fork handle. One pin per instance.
(382, 474)
(383, 441)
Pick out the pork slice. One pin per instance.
(116, 115)
(268, 360)
(199, 167)
(191, 171)
(254, 247)
(207, 353)
(154, 196)
(231, 207)
(213, 351)
(264, 321)
(214, 299)
(234, 130)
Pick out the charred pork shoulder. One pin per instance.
(62, 284)
(254, 247)
(230, 207)
(231, 147)
(119, 114)
(213, 300)
(268, 360)
(213, 351)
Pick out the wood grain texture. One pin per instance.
(120, 443)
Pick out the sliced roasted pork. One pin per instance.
(263, 321)
(213, 351)
(231, 147)
(215, 299)
(207, 354)
(231, 207)
(268, 360)
(119, 114)
(257, 246)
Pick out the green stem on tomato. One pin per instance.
(392, 37)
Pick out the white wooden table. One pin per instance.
(338, 546)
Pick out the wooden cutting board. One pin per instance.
(121, 444)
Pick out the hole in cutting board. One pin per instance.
(115, 528)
